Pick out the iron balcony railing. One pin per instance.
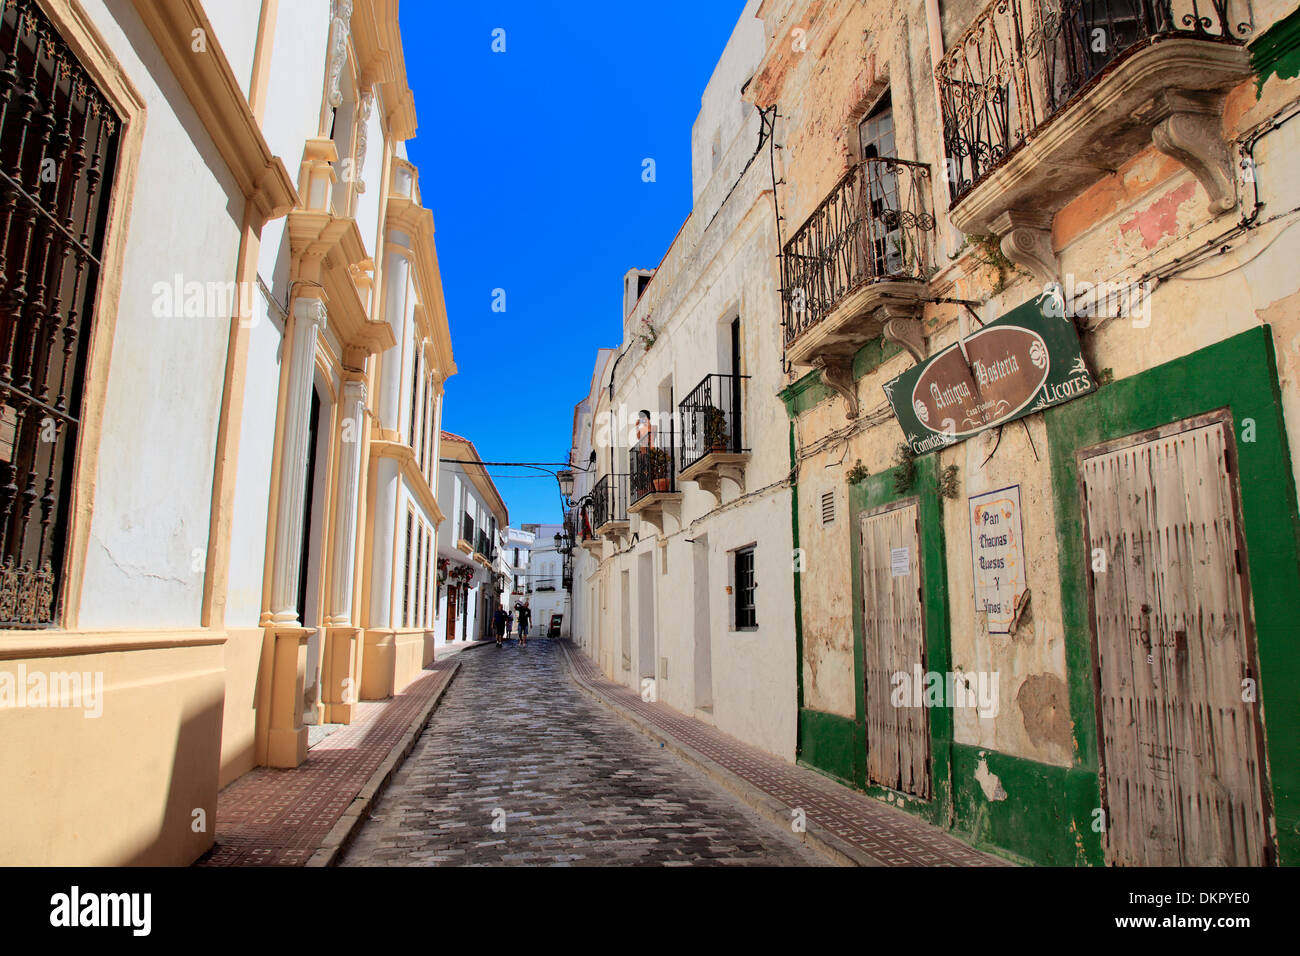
(711, 418)
(573, 523)
(876, 224)
(653, 464)
(1021, 61)
(609, 500)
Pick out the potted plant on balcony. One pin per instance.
(657, 464)
(716, 433)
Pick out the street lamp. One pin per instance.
(565, 478)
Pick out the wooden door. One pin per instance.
(898, 738)
(1181, 736)
(453, 600)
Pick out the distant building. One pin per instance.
(516, 547)
(470, 575)
(548, 573)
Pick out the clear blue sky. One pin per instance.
(531, 161)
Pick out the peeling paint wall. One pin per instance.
(1141, 219)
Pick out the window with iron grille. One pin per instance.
(58, 154)
(417, 613)
(407, 570)
(415, 399)
(745, 589)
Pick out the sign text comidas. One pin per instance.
(1024, 362)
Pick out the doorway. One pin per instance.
(1182, 768)
(310, 558)
(453, 602)
(645, 591)
(703, 629)
(893, 642)
(625, 619)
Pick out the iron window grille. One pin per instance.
(746, 616)
(58, 154)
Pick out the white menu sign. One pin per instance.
(998, 555)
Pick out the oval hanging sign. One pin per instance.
(1008, 365)
(1024, 362)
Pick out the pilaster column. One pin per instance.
(397, 270)
(345, 517)
(309, 317)
(385, 480)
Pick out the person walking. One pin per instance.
(499, 618)
(525, 619)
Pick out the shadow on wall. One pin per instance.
(189, 805)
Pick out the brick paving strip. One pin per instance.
(848, 827)
(307, 815)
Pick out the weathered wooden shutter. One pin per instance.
(1181, 749)
(898, 738)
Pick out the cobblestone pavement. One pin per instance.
(515, 741)
(882, 835)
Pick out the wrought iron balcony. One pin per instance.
(1041, 98)
(713, 433)
(868, 243)
(653, 467)
(609, 500)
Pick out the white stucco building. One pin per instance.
(690, 594)
(548, 572)
(249, 343)
(471, 581)
(515, 550)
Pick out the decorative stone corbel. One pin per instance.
(341, 28)
(903, 328)
(837, 373)
(1027, 242)
(363, 130)
(1192, 133)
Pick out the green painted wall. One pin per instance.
(1037, 814)
(828, 744)
(809, 391)
(1238, 374)
(874, 492)
(1047, 814)
(1276, 51)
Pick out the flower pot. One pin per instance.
(661, 484)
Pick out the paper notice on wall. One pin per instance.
(900, 561)
(998, 555)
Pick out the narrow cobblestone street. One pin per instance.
(515, 741)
